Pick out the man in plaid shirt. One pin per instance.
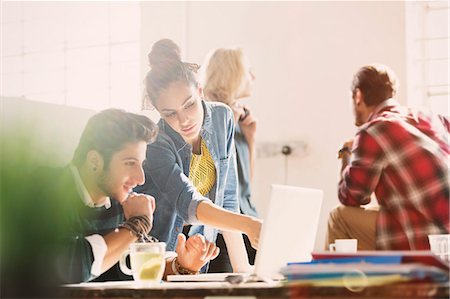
(400, 156)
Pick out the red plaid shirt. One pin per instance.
(404, 159)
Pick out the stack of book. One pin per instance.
(367, 268)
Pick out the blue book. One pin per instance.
(360, 259)
(425, 257)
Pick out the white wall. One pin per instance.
(304, 55)
(36, 133)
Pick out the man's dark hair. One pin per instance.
(108, 132)
(376, 82)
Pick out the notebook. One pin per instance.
(425, 257)
(288, 234)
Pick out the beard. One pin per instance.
(106, 184)
(359, 118)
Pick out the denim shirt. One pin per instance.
(167, 175)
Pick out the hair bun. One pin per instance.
(164, 53)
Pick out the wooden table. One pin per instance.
(252, 290)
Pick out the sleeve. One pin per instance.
(362, 175)
(75, 261)
(99, 249)
(231, 201)
(165, 173)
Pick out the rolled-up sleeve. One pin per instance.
(99, 249)
(74, 262)
(362, 175)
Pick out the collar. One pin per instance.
(83, 192)
(382, 106)
(207, 117)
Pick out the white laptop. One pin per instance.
(288, 234)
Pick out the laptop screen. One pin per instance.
(289, 229)
(288, 233)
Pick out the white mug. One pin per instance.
(440, 246)
(147, 262)
(344, 245)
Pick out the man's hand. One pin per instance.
(195, 252)
(344, 154)
(138, 205)
(348, 143)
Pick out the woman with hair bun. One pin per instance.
(227, 78)
(192, 170)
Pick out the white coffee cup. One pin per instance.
(344, 245)
(440, 246)
(147, 262)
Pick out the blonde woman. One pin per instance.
(227, 78)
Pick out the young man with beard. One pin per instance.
(403, 158)
(84, 216)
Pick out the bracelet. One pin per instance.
(180, 270)
(342, 151)
(138, 225)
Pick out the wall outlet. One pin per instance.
(288, 148)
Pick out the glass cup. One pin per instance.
(344, 245)
(440, 246)
(147, 262)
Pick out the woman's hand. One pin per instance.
(238, 110)
(253, 230)
(244, 116)
(248, 126)
(195, 252)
